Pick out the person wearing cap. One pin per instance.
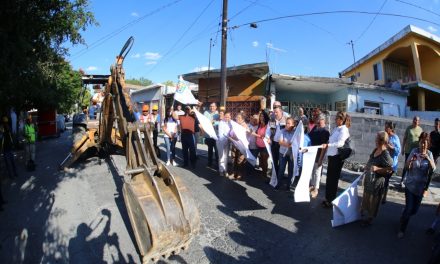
(213, 116)
(144, 118)
(187, 126)
(30, 134)
(7, 146)
(318, 135)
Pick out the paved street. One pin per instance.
(80, 217)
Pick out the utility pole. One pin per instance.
(223, 89)
(351, 43)
(209, 68)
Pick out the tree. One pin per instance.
(169, 83)
(32, 34)
(141, 81)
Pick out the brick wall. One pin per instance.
(364, 128)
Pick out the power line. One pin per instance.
(333, 12)
(244, 9)
(369, 25)
(419, 7)
(183, 35)
(306, 22)
(114, 33)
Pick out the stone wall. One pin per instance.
(363, 131)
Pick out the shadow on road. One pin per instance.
(92, 239)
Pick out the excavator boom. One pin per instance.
(162, 212)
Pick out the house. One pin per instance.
(246, 85)
(410, 60)
(335, 94)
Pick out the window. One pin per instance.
(371, 107)
(285, 106)
(377, 68)
(341, 106)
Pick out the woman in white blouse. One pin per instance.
(337, 139)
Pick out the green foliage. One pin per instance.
(33, 72)
(141, 81)
(169, 83)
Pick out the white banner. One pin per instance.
(183, 93)
(273, 178)
(302, 193)
(206, 125)
(346, 207)
(297, 143)
(242, 142)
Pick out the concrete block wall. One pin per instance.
(364, 128)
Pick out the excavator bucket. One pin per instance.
(164, 217)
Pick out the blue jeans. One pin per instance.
(171, 148)
(188, 149)
(412, 204)
(286, 160)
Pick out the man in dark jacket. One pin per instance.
(7, 145)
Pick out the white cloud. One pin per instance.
(432, 29)
(272, 47)
(150, 62)
(91, 68)
(136, 56)
(201, 68)
(152, 55)
(255, 43)
(134, 14)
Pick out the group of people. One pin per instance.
(7, 146)
(272, 131)
(421, 151)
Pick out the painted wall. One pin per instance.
(428, 116)
(147, 95)
(375, 96)
(338, 96)
(292, 96)
(430, 62)
(244, 86)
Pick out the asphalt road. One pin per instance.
(79, 217)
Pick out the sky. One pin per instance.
(172, 37)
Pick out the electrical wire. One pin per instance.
(306, 22)
(114, 33)
(333, 12)
(244, 9)
(182, 36)
(371, 22)
(419, 7)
